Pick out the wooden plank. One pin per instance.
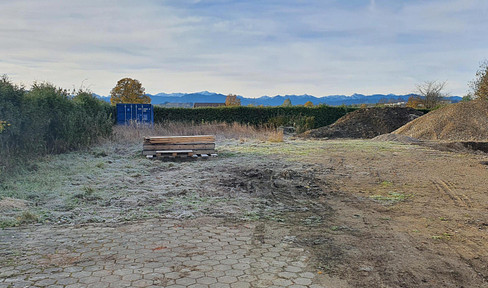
(197, 151)
(179, 139)
(186, 146)
(173, 151)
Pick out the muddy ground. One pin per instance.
(373, 214)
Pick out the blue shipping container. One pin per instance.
(140, 113)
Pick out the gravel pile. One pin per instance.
(366, 123)
(464, 121)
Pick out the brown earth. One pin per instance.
(366, 123)
(385, 215)
(465, 121)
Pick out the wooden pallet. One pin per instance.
(195, 151)
(181, 156)
(170, 147)
(186, 146)
(179, 139)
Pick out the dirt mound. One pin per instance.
(465, 121)
(396, 138)
(366, 123)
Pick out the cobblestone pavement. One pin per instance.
(152, 253)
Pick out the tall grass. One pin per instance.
(134, 133)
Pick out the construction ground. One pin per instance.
(297, 213)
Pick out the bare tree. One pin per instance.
(432, 93)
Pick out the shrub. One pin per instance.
(11, 97)
(479, 86)
(298, 116)
(48, 119)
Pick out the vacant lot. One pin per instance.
(370, 214)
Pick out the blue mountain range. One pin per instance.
(332, 100)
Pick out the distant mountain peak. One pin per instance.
(333, 100)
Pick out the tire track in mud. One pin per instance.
(452, 192)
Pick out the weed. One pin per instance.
(88, 191)
(391, 198)
(27, 217)
(251, 216)
(276, 137)
(8, 222)
(99, 154)
(444, 236)
(312, 220)
(386, 184)
(100, 165)
(87, 194)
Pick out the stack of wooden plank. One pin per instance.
(179, 146)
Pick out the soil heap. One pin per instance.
(464, 121)
(366, 123)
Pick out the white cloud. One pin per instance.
(245, 47)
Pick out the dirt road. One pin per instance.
(371, 214)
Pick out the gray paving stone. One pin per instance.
(151, 253)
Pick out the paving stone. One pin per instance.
(302, 281)
(207, 280)
(151, 253)
(66, 281)
(298, 286)
(197, 285)
(141, 283)
(227, 279)
(131, 277)
(219, 285)
(76, 285)
(287, 275)
(45, 282)
(282, 282)
(234, 272)
(89, 280)
(240, 285)
(308, 275)
(185, 281)
(293, 269)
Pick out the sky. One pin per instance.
(250, 48)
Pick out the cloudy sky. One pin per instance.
(246, 47)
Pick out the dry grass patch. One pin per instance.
(135, 132)
(8, 203)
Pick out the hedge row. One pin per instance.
(46, 120)
(300, 117)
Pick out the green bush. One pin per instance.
(47, 119)
(302, 118)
